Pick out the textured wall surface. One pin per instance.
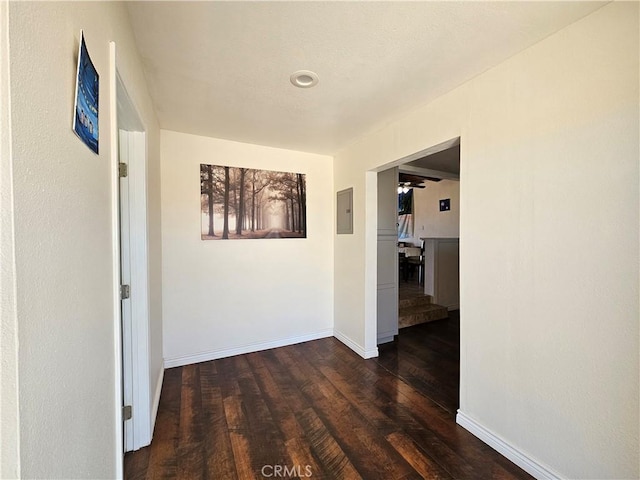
(63, 241)
(220, 295)
(429, 221)
(549, 265)
(9, 414)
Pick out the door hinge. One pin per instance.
(123, 170)
(125, 292)
(126, 413)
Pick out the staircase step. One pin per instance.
(409, 316)
(415, 301)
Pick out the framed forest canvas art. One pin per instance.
(241, 203)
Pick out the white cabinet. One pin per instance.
(387, 304)
(442, 271)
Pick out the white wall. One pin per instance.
(154, 239)
(428, 220)
(549, 264)
(225, 297)
(63, 239)
(9, 413)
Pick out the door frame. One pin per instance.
(387, 267)
(124, 116)
(371, 244)
(136, 332)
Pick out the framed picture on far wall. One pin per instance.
(85, 116)
(245, 203)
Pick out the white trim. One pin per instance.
(370, 268)
(128, 342)
(132, 150)
(138, 256)
(387, 281)
(427, 172)
(10, 466)
(156, 400)
(371, 248)
(500, 445)
(115, 259)
(371, 353)
(242, 349)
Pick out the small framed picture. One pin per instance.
(85, 117)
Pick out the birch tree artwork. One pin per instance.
(238, 203)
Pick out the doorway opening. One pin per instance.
(428, 237)
(134, 424)
(424, 202)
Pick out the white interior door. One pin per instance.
(387, 295)
(135, 273)
(128, 144)
(125, 279)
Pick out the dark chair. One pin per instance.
(417, 262)
(403, 266)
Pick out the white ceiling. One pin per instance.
(221, 69)
(447, 161)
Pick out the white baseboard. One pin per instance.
(355, 346)
(156, 400)
(518, 457)
(239, 350)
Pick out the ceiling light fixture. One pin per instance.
(304, 78)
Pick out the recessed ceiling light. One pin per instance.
(304, 78)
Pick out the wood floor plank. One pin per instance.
(297, 443)
(227, 380)
(395, 407)
(217, 443)
(348, 426)
(163, 459)
(412, 370)
(237, 435)
(333, 459)
(137, 464)
(363, 400)
(456, 450)
(319, 408)
(463, 458)
(303, 459)
(421, 463)
(190, 441)
(266, 443)
(240, 446)
(277, 401)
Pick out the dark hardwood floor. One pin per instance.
(318, 410)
